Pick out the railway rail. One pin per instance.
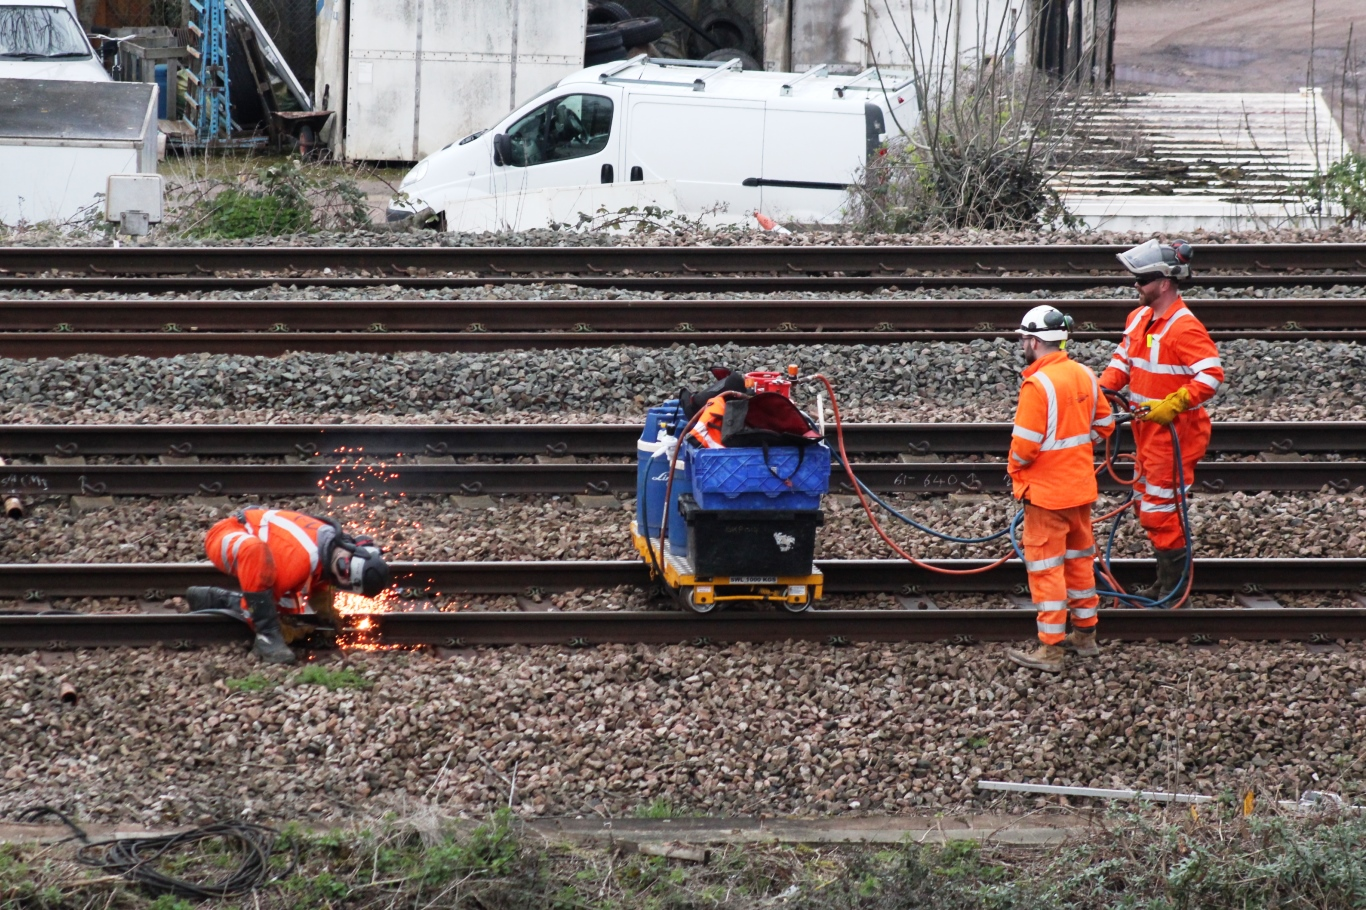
(764, 267)
(579, 629)
(586, 479)
(554, 439)
(152, 581)
(64, 328)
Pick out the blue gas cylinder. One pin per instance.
(661, 417)
(678, 528)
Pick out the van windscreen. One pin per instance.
(40, 32)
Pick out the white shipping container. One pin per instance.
(411, 76)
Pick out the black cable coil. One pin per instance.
(135, 858)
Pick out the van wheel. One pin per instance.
(606, 12)
(730, 53)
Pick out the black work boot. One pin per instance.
(203, 597)
(270, 641)
(1171, 566)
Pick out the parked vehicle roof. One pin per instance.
(719, 79)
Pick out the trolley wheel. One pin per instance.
(801, 607)
(689, 595)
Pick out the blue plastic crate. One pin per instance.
(741, 479)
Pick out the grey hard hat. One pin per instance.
(1170, 260)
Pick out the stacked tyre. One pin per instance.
(614, 34)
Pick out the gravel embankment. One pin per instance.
(921, 381)
(46, 236)
(165, 737)
(544, 528)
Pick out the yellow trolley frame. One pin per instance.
(703, 593)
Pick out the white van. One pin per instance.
(698, 138)
(42, 39)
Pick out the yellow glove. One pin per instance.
(1164, 412)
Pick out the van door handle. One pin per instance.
(607, 173)
(637, 173)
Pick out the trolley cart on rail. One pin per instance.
(728, 525)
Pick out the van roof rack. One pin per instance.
(699, 84)
(821, 71)
(881, 86)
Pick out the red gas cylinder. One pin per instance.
(769, 381)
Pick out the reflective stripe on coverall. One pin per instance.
(707, 430)
(1156, 358)
(270, 550)
(1060, 416)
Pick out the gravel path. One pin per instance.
(790, 729)
(921, 381)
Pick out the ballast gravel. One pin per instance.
(163, 737)
(677, 234)
(429, 528)
(940, 381)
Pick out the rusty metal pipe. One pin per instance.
(14, 507)
(67, 694)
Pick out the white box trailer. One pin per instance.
(60, 141)
(410, 76)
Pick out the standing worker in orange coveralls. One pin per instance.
(1061, 415)
(1171, 367)
(279, 558)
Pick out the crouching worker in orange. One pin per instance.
(1061, 414)
(279, 558)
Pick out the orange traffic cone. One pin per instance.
(769, 224)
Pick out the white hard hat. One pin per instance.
(1172, 260)
(1046, 323)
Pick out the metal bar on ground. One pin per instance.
(1155, 796)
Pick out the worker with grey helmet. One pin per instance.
(1171, 368)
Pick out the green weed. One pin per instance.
(253, 683)
(332, 680)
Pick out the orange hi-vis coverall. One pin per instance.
(1060, 416)
(707, 430)
(272, 550)
(1156, 358)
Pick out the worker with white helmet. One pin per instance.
(1171, 367)
(1060, 416)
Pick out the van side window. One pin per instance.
(574, 126)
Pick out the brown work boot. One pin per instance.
(1048, 658)
(1082, 642)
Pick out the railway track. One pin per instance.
(584, 440)
(63, 328)
(35, 583)
(753, 268)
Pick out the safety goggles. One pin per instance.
(1142, 281)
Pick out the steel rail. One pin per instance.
(590, 479)
(612, 316)
(21, 345)
(701, 283)
(156, 581)
(590, 259)
(464, 629)
(180, 440)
